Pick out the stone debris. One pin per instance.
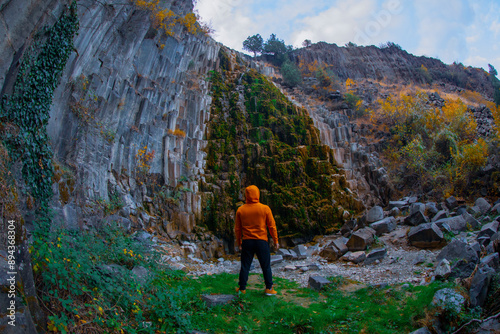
(318, 282)
(213, 300)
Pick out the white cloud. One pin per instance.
(339, 23)
(456, 30)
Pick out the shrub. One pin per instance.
(291, 74)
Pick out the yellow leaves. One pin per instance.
(166, 20)
(350, 85)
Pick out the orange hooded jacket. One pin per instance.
(253, 217)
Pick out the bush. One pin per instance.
(86, 279)
(291, 74)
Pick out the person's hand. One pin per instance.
(276, 247)
(240, 248)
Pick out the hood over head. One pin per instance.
(252, 194)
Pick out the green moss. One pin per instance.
(274, 145)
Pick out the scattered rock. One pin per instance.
(361, 239)
(451, 202)
(456, 224)
(458, 250)
(374, 214)
(426, 235)
(440, 215)
(491, 261)
(449, 300)
(422, 330)
(318, 282)
(354, 257)
(385, 225)
(275, 259)
(482, 205)
(301, 252)
(334, 250)
(443, 269)
(213, 300)
(376, 254)
(471, 221)
(416, 219)
(479, 286)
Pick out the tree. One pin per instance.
(276, 48)
(306, 43)
(254, 44)
(291, 74)
(496, 84)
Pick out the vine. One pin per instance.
(28, 107)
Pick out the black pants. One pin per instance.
(249, 248)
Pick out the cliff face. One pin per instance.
(393, 64)
(129, 115)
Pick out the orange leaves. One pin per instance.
(350, 85)
(166, 20)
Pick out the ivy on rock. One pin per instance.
(28, 107)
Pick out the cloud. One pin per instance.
(455, 30)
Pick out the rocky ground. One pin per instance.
(402, 264)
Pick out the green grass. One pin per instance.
(80, 296)
(301, 310)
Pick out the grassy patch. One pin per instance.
(86, 284)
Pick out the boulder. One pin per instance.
(374, 214)
(443, 269)
(491, 261)
(482, 205)
(376, 254)
(334, 250)
(449, 300)
(451, 202)
(416, 219)
(397, 204)
(457, 223)
(213, 300)
(348, 227)
(496, 209)
(301, 251)
(141, 274)
(426, 235)
(471, 221)
(458, 250)
(318, 282)
(479, 286)
(462, 269)
(275, 259)
(385, 225)
(422, 330)
(394, 212)
(361, 239)
(488, 229)
(440, 215)
(287, 254)
(417, 207)
(354, 257)
(431, 208)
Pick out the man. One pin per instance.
(252, 219)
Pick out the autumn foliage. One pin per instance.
(430, 148)
(165, 19)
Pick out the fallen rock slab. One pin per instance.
(426, 235)
(318, 282)
(361, 239)
(213, 300)
(383, 226)
(458, 250)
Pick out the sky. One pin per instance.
(464, 31)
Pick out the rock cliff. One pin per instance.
(130, 113)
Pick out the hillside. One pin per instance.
(129, 136)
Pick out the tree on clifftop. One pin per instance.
(276, 48)
(253, 44)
